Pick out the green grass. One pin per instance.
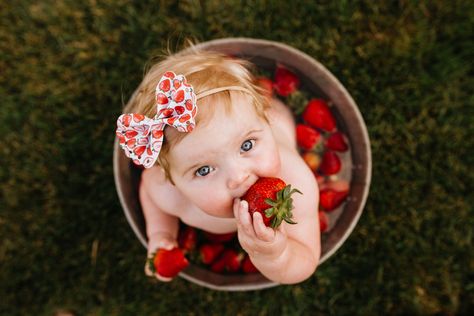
(66, 68)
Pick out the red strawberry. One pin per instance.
(179, 96)
(247, 265)
(168, 263)
(272, 198)
(138, 117)
(307, 137)
(331, 163)
(179, 109)
(323, 221)
(209, 252)
(139, 150)
(229, 261)
(187, 238)
(330, 199)
(184, 118)
(161, 98)
(320, 179)
(176, 83)
(336, 185)
(286, 82)
(165, 85)
(267, 85)
(233, 260)
(220, 237)
(312, 159)
(166, 112)
(337, 142)
(127, 118)
(169, 74)
(189, 104)
(318, 114)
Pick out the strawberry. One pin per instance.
(218, 265)
(168, 263)
(331, 164)
(272, 198)
(312, 159)
(187, 238)
(220, 237)
(337, 142)
(233, 260)
(267, 85)
(247, 265)
(229, 261)
(320, 179)
(336, 185)
(307, 137)
(323, 221)
(330, 199)
(318, 115)
(286, 82)
(209, 252)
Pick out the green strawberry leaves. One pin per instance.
(281, 208)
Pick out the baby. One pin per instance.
(210, 134)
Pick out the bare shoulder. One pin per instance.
(158, 188)
(282, 122)
(295, 172)
(305, 213)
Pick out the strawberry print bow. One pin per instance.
(141, 137)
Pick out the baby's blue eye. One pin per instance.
(247, 145)
(203, 171)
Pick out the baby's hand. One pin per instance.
(258, 240)
(155, 242)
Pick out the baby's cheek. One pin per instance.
(215, 203)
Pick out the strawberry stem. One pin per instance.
(150, 262)
(281, 208)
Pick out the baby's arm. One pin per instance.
(289, 254)
(161, 228)
(279, 255)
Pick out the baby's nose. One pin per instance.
(237, 178)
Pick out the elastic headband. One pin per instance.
(217, 90)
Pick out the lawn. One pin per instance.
(67, 68)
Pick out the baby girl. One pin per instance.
(209, 132)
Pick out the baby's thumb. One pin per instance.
(167, 244)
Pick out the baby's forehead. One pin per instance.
(232, 104)
(220, 131)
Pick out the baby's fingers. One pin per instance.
(261, 231)
(244, 221)
(162, 279)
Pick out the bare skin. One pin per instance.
(207, 195)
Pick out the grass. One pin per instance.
(66, 68)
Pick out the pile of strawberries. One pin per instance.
(320, 144)
(220, 253)
(319, 140)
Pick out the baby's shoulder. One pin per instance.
(282, 123)
(158, 188)
(296, 172)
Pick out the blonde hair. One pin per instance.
(204, 70)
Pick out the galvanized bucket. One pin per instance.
(315, 77)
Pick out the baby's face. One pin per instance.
(220, 159)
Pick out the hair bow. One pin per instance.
(141, 137)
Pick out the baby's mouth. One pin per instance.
(247, 187)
